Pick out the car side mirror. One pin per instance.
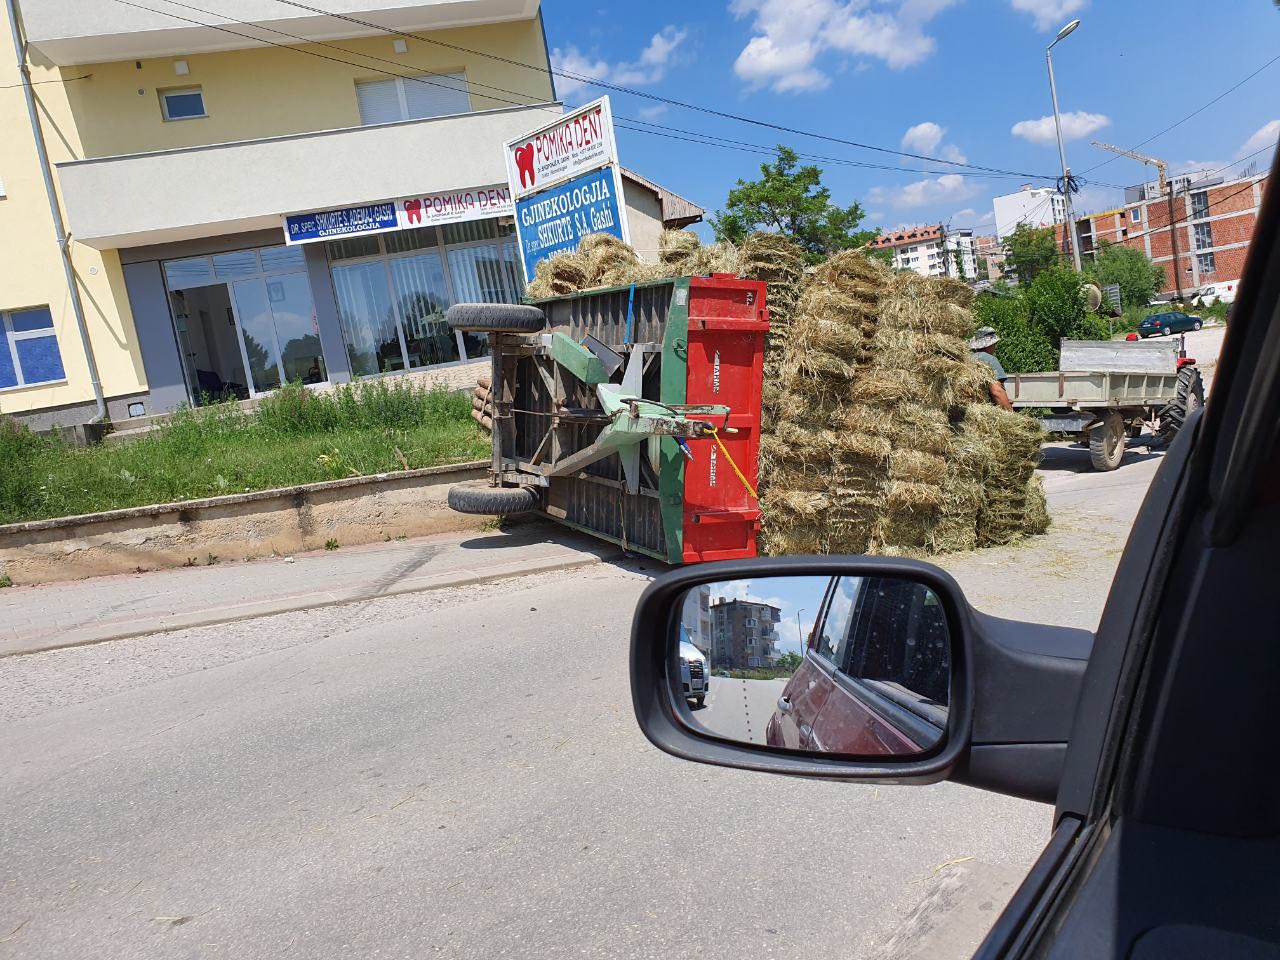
(852, 668)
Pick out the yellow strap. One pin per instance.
(728, 456)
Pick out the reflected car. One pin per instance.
(863, 688)
(695, 674)
(1163, 324)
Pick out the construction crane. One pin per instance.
(1162, 168)
(1162, 178)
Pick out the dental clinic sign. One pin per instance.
(406, 213)
(567, 183)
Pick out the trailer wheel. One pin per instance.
(493, 501)
(1106, 441)
(495, 318)
(1190, 398)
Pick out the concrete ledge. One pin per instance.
(238, 527)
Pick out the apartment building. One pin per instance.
(281, 196)
(931, 251)
(1214, 221)
(743, 634)
(1034, 207)
(990, 255)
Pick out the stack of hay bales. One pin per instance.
(886, 440)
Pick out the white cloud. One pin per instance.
(1050, 14)
(948, 188)
(1075, 124)
(652, 113)
(790, 35)
(923, 137)
(970, 217)
(648, 68)
(926, 139)
(1264, 138)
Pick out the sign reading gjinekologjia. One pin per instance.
(557, 219)
(567, 183)
(426, 210)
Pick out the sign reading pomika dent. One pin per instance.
(574, 144)
(429, 210)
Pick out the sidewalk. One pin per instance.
(110, 608)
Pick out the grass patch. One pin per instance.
(294, 436)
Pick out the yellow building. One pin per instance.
(285, 196)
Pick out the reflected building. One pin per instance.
(743, 634)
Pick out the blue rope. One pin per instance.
(631, 303)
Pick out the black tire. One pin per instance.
(1106, 442)
(495, 318)
(493, 501)
(700, 702)
(1190, 399)
(1197, 325)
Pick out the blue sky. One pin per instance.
(941, 78)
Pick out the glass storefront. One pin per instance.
(246, 321)
(393, 291)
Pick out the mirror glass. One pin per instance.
(858, 666)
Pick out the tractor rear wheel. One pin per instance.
(495, 318)
(1190, 398)
(1106, 441)
(493, 501)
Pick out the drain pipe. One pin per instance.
(59, 228)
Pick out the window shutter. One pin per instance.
(379, 101)
(436, 95)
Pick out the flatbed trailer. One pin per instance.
(1112, 391)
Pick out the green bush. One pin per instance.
(1022, 349)
(294, 436)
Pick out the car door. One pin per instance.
(878, 697)
(807, 691)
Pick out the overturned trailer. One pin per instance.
(631, 413)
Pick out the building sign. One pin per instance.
(556, 219)
(430, 210)
(574, 144)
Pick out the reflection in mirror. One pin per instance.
(858, 666)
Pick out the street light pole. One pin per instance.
(1062, 151)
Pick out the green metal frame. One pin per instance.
(674, 390)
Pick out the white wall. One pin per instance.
(1035, 208)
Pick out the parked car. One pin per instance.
(855, 694)
(1163, 324)
(1222, 292)
(694, 673)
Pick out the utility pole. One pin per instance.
(1166, 188)
(1062, 150)
(55, 212)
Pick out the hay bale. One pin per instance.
(1036, 516)
(606, 257)
(914, 498)
(916, 466)
(677, 246)
(559, 275)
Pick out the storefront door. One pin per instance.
(278, 331)
(264, 332)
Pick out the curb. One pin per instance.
(268, 608)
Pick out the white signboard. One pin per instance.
(576, 143)
(429, 210)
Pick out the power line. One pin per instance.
(1193, 113)
(626, 123)
(619, 88)
(36, 83)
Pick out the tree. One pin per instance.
(1030, 250)
(790, 199)
(789, 661)
(1138, 277)
(1033, 320)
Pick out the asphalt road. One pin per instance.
(740, 709)
(452, 774)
